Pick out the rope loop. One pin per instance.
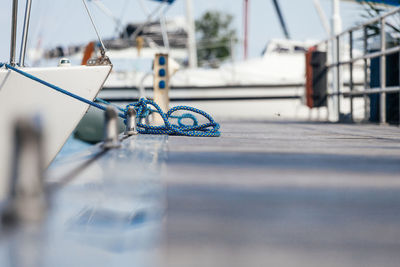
(143, 109)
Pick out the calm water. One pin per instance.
(72, 146)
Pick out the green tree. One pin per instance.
(215, 38)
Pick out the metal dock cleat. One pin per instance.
(27, 196)
(131, 122)
(111, 129)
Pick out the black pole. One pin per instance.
(281, 19)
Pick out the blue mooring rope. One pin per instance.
(98, 99)
(210, 129)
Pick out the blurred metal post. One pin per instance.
(27, 199)
(25, 211)
(25, 32)
(366, 84)
(351, 85)
(111, 128)
(329, 79)
(336, 22)
(383, 73)
(246, 28)
(338, 83)
(131, 122)
(14, 23)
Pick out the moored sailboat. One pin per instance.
(58, 113)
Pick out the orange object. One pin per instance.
(89, 49)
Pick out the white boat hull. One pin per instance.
(59, 114)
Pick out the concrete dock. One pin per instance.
(264, 193)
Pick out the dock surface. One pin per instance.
(285, 194)
(264, 193)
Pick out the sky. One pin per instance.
(64, 22)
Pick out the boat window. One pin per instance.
(280, 49)
(300, 49)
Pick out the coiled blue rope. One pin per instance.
(209, 129)
(143, 109)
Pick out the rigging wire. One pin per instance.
(149, 18)
(144, 8)
(123, 11)
(108, 13)
(164, 31)
(103, 48)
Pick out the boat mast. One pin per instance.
(322, 17)
(191, 35)
(25, 32)
(336, 19)
(13, 32)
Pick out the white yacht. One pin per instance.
(272, 85)
(59, 114)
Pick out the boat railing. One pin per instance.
(341, 49)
